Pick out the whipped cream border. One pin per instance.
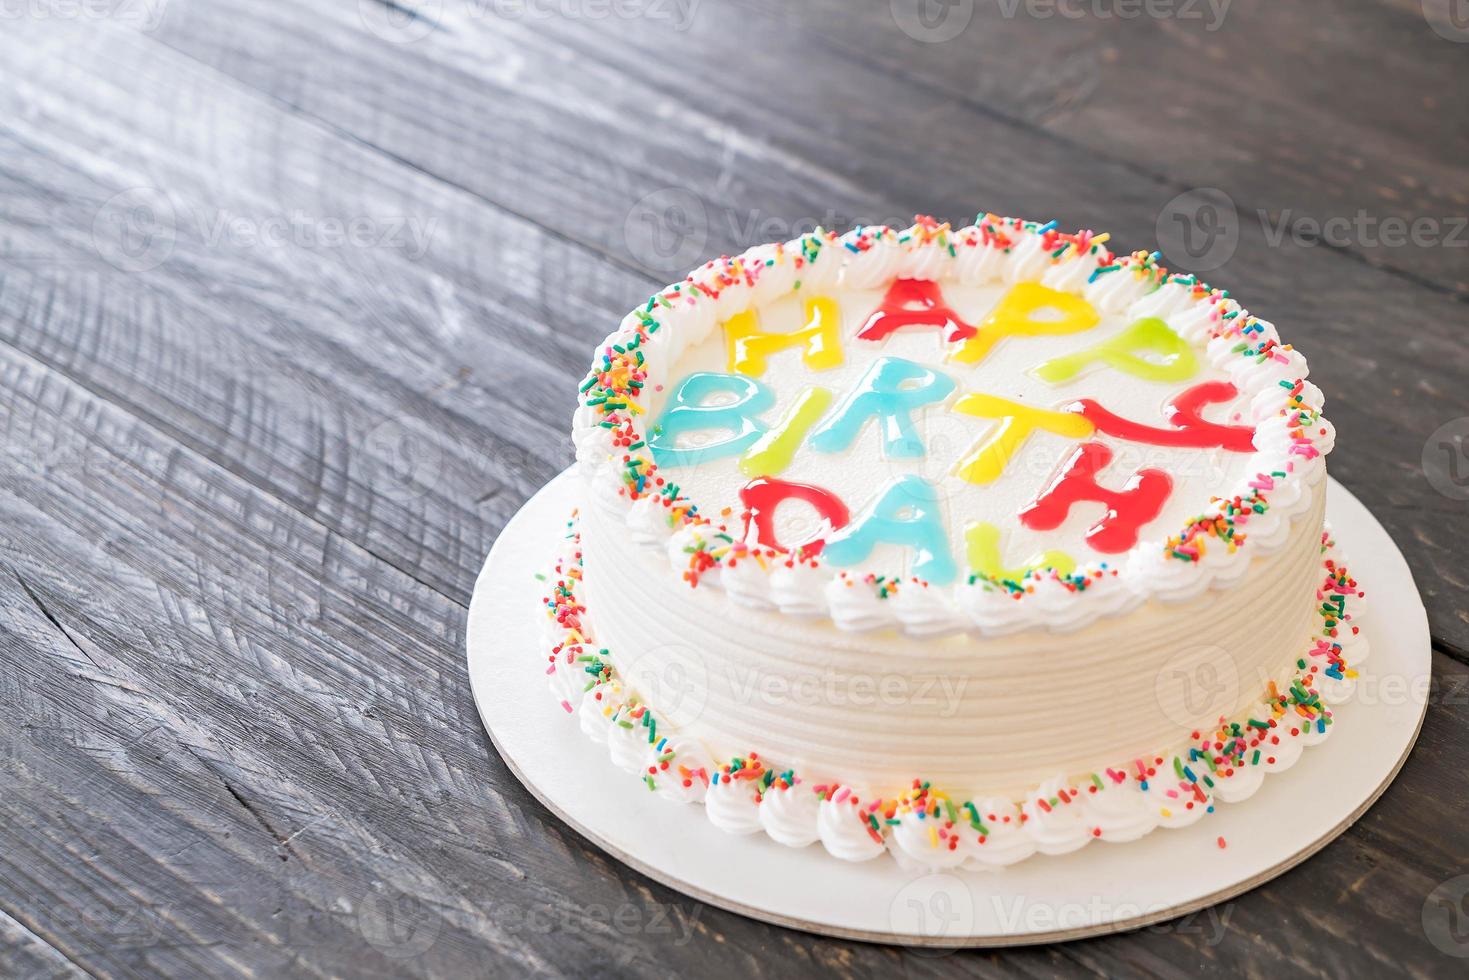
(924, 828)
(1292, 437)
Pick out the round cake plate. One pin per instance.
(1100, 889)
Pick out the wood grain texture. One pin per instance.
(249, 474)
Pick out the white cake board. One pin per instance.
(1099, 889)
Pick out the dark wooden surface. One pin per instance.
(251, 471)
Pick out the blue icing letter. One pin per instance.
(890, 390)
(907, 513)
(687, 411)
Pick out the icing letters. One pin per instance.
(687, 411)
(747, 346)
(1139, 501)
(773, 451)
(991, 455)
(890, 390)
(761, 496)
(982, 542)
(907, 513)
(1183, 412)
(914, 302)
(1150, 335)
(1016, 317)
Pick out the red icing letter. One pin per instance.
(1189, 429)
(915, 302)
(762, 495)
(1139, 501)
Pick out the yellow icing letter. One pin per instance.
(774, 451)
(1017, 316)
(1171, 357)
(989, 457)
(747, 346)
(982, 542)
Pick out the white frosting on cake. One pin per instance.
(931, 829)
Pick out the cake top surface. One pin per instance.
(983, 428)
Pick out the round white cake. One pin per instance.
(961, 545)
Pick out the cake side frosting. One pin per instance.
(979, 716)
(1272, 439)
(926, 826)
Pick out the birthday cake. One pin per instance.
(959, 545)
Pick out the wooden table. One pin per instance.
(293, 299)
